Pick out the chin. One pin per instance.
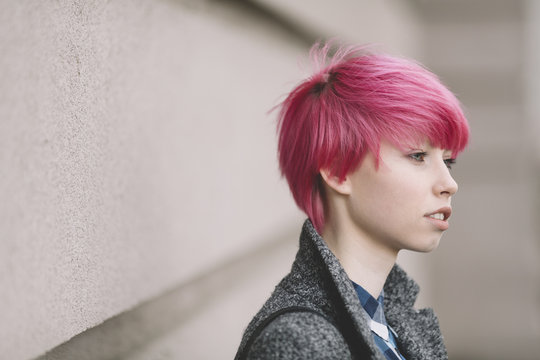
(426, 246)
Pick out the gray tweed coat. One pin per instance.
(314, 313)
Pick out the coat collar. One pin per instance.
(418, 331)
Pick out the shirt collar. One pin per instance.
(374, 308)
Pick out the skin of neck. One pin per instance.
(367, 261)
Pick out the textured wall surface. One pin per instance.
(126, 167)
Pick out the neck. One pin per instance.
(366, 261)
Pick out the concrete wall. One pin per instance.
(135, 153)
(137, 164)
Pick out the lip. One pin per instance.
(441, 224)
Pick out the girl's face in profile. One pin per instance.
(405, 203)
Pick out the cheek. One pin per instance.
(382, 203)
(397, 196)
(406, 197)
(392, 195)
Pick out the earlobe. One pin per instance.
(333, 182)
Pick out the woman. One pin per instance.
(366, 145)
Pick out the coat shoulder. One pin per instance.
(299, 335)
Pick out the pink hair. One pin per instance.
(353, 101)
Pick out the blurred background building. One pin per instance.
(142, 213)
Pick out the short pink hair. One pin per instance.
(354, 100)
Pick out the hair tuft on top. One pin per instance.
(355, 99)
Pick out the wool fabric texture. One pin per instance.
(338, 326)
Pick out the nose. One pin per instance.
(445, 184)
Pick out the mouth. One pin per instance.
(439, 217)
(441, 214)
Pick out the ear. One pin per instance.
(342, 187)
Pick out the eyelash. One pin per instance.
(419, 156)
(449, 162)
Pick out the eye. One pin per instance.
(418, 156)
(449, 162)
